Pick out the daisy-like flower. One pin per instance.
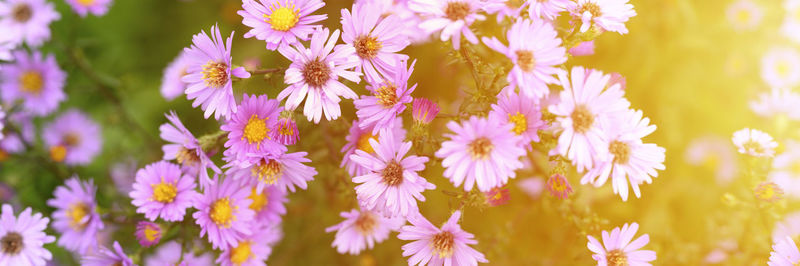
(768, 191)
(107, 257)
(171, 84)
(786, 170)
(535, 63)
(586, 104)
(744, 15)
(184, 148)
(375, 40)
(391, 185)
(480, 151)
(780, 103)
(27, 21)
(249, 128)
(497, 196)
(558, 186)
(504, 8)
(285, 132)
(361, 230)
(448, 245)
(388, 100)
(608, 15)
(451, 17)
(780, 68)
(754, 142)
(22, 238)
(252, 250)
(148, 233)
(208, 75)
(548, 9)
(315, 72)
(72, 138)
(423, 111)
(617, 248)
(223, 213)
(95, 7)
(715, 153)
(280, 22)
(784, 253)
(162, 190)
(358, 139)
(630, 159)
(268, 204)
(76, 218)
(522, 112)
(38, 81)
(287, 171)
(170, 254)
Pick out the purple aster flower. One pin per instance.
(452, 17)
(784, 253)
(38, 81)
(186, 150)
(586, 104)
(745, 15)
(609, 15)
(208, 75)
(522, 113)
(252, 250)
(162, 190)
(780, 67)
(617, 248)
(389, 99)
(361, 230)
(171, 84)
(448, 245)
(95, 7)
(148, 233)
(630, 159)
(281, 22)
(284, 170)
(391, 185)
(315, 72)
(107, 257)
(13, 142)
(170, 254)
(423, 111)
(535, 63)
(480, 151)
(72, 138)
(76, 218)
(268, 204)
(548, 9)
(285, 132)
(22, 238)
(249, 128)
(223, 213)
(358, 139)
(375, 39)
(27, 21)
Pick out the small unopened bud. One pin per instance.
(497, 196)
(559, 187)
(424, 110)
(285, 132)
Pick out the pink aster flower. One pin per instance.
(785, 169)
(608, 15)
(776, 103)
(72, 138)
(107, 257)
(22, 238)
(361, 230)
(548, 9)
(780, 68)
(162, 190)
(95, 7)
(315, 72)
(582, 49)
(617, 248)
(504, 8)
(451, 17)
(558, 186)
(285, 132)
(38, 81)
(358, 139)
(171, 84)
(148, 233)
(208, 75)
(76, 218)
(535, 63)
(170, 254)
(586, 104)
(784, 253)
(389, 99)
(268, 204)
(754, 142)
(375, 39)
(448, 245)
(223, 212)
(249, 128)
(744, 15)
(480, 151)
(522, 112)
(252, 250)
(27, 21)
(184, 148)
(423, 111)
(391, 185)
(631, 160)
(287, 171)
(280, 22)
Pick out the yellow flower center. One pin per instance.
(259, 200)
(387, 95)
(593, 8)
(282, 18)
(525, 60)
(443, 244)
(256, 130)
(456, 10)
(367, 46)
(316, 73)
(87, 2)
(480, 148)
(76, 214)
(520, 123)
(215, 74)
(58, 153)
(22, 12)
(365, 223)
(164, 192)
(285, 129)
(620, 150)
(783, 68)
(768, 191)
(393, 174)
(363, 142)
(11, 244)
(267, 172)
(744, 16)
(31, 82)
(187, 157)
(151, 233)
(222, 212)
(616, 258)
(582, 119)
(241, 253)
